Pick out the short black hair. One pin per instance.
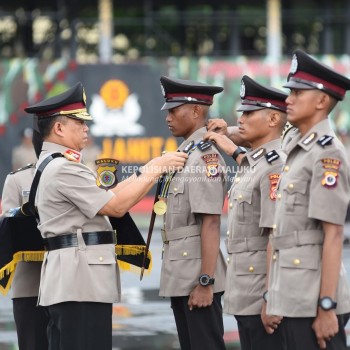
(45, 125)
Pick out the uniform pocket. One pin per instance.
(185, 250)
(307, 257)
(100, 257)
(177, 201)
(296, 198)
(250, 263)
(243, 211)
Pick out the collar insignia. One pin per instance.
(259, 153)
(309, 138)
(72, 155)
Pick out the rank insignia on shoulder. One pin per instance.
(106, 173)
(325, 140)
(204, 145)
(212, 164)
(273, 185)
(271, 156)
(72, 155)
(309, 138)
(259, 153)
(188, 147)
(23, 168)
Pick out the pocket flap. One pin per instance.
(177, 187)
(304, 257)
(187, 251)
(251, 263)
(296, 186)
(243, 196)
(100, 257)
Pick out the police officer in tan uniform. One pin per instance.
(251, 209)
(80, 277)
(307, 281)
(193, 268)
(31, 320)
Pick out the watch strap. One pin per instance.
(237, 152)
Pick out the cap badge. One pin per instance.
(84, 97)
(162, 88)
(106, 173)
(242, 90)
(294, 65)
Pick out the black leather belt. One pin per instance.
(71, 239)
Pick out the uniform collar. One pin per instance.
(314, 134)
(50, 147)
(254, 156)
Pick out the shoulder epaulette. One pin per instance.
(204, 145)
(28, 166)
(325, 140)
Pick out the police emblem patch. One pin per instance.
(212, 164)
(273, 185)
(106, 173)
(330, 176)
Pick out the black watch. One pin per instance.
(327, 303)
(206, 280)
(265, 295)
(238, 151)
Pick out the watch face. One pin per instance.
(326, 303)
(204, 280)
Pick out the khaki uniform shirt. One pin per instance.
(251, 209)
(314, 187)
(68, 201)
(192, 193)
(16, 190)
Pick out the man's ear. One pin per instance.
(58, 128)
(323, 101)
(196, 110)
(273, 118)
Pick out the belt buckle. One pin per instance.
(164, 237)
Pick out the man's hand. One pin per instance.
(270, 322)
(170, 161)
(217, 125)
(325, 326)
(201, 297)
(222, 141)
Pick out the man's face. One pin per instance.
(180, 120)
(253, 125)
(301, 105)
(75, 133)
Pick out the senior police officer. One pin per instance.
(31, 320)
(193, 268)
(80, 277)
(307, 282)
(251, 210)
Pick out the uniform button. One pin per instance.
(100, 258)
(184, 254)
(228, 259)
(230, 205)
(296, 262)
(251, 268)
(238, 179)
(175, 189)
(286, 168)
(291, 186)
(228, 233)
(279, 196)
(240, 196)
(274, 257)
(274, 226)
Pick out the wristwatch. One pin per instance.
(327, 303)
(205, 280)
(238, 151)
(265, 295)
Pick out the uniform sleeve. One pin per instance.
(77, 184)
(268, 187)
(207, 186)
(11, 194)
(330, 188)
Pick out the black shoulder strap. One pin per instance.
(29, 208)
